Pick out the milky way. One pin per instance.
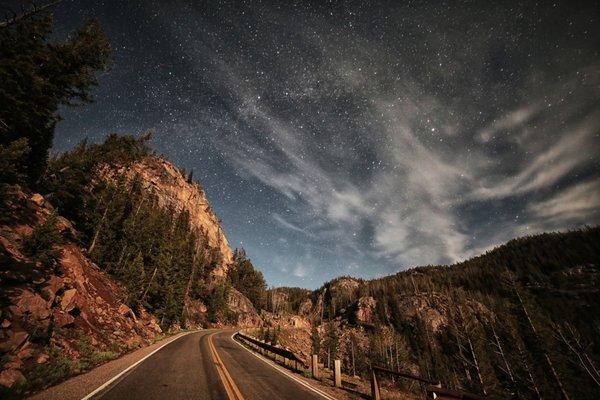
(360, 138)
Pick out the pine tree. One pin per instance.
(11, 173)
(247, 280)
(315, 339)
(135, 279)
(41, 243)
(39, 75)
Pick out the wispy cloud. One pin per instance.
(573, 148)
(373, 160)
(511, 124)
(411, 205)
(289, 225)
(578, 202)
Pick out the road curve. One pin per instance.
(188, 368)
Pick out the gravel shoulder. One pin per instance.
(81, 385)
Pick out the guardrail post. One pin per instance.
(337, 373)
(315, 366)
(375, 393)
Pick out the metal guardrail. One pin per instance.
(434, 389)
(269, 347)
(405, 375)
(446, 394)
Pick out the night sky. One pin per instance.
(360, 138)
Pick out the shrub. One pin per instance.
(41, 244)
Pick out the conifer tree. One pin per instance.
(37, 76)
(315, 339)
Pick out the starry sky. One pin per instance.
(360, 138)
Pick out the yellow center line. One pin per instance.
(230, 387)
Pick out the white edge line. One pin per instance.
(281, 370)
(114, 378)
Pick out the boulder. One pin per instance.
(62, 319)
(53, 285)
(239, 303)
(42, 358)
(15, 340)
(202, 307)
(67, 303)
(153, 325)
(38, 199)
(33, 304)
(11, 377)
(125, 311)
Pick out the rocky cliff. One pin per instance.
(497, 324)
(173, 189)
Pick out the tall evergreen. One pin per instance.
(248, 280)
(37, 76)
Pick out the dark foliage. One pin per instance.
(36, 77)
(41, 244)
(287, 299)
(249, 281)
(521, 320)
(70, 176)
(152, 250)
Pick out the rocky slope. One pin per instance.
(246, 313)
(67, 316)
(62, 315)
(174, 190)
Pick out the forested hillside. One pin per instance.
(522, 319)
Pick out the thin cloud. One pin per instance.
(576, 202)
(289, 225)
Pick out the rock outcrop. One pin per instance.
(365, 310)
(173, 189)
(239, 304)
(69, 310)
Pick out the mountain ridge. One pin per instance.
(505, 323)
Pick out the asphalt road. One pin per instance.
(188, 368)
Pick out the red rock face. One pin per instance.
(68, 307)
(76, 307)
(238, 303)
(10, 377)
(365, 310)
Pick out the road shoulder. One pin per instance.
(323, 391)
(80, 386)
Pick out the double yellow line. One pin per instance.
(230, 387)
